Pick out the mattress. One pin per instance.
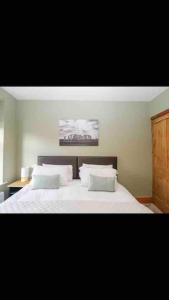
(73, 198)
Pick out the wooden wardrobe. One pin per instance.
(160, 151)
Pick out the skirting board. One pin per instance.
(145, 199)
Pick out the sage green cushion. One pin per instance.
(45, 182)
(106, 184)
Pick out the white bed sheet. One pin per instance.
(73, 198)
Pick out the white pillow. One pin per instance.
(97, 166)
(98, 169)
(85, 173)
(48, 171)
(69, 169)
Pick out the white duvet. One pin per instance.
(73, 198)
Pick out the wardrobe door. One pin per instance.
(167, 169)
(160, 133)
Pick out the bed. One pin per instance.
(73, 198)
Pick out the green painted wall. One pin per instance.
(125, 131)
(1, 140)
(159, 104)
(10, 136)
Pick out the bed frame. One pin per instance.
(77, 161)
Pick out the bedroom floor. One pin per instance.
(154, 208)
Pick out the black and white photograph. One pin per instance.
(78, 132)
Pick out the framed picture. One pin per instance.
(78, 132)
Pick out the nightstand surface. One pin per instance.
(18, 184)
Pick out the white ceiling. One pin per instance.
(86, 93)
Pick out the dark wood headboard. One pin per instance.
(60, 160)
(77, 161)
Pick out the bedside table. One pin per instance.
(15, 186)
